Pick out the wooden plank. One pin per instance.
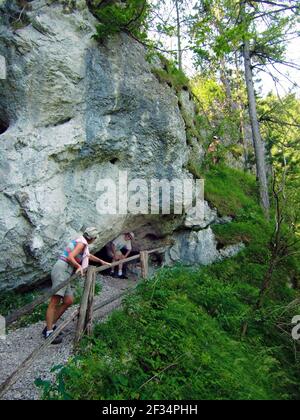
(157, 250)
(115, 264)
(112, 299)
(33, 356)
(84, 305)
(145, 264)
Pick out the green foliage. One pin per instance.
(280, 126)
(210, 93)
(114, 17)
(225, 114)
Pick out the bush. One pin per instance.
(129, 16)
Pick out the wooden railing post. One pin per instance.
(90, 308)
(144, 264)
(84, 305)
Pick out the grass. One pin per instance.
(232, 192)
(178, 338)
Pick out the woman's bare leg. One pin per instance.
(61, 309)
(51, 311)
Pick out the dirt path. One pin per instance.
(20, 343)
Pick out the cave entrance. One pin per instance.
(144, 240)
(130, 269)
(4, 124)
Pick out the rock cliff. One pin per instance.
(73, 112)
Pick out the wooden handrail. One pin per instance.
(27, 309)
(115, 264)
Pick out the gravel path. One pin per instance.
(20, 343)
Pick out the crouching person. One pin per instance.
(119, 250)
(75, 258)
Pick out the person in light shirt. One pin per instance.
(120, 249)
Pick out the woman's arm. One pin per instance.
(98, 260)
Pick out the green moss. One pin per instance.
(178, 81)
(237, 150)
(193, 168)
(171, 75)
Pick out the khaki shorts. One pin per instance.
(61, 272)
(111, 254)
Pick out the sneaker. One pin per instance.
(45, 331)
(57, 340)
(123, 277)
(54, 328)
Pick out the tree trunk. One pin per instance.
(227, 85)
(241, 111)
(259, 146)
(178, 35)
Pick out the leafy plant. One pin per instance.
(116, 16)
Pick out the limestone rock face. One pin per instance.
(199, 248)
(77, 112)
(72, 113)
(192, 221)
